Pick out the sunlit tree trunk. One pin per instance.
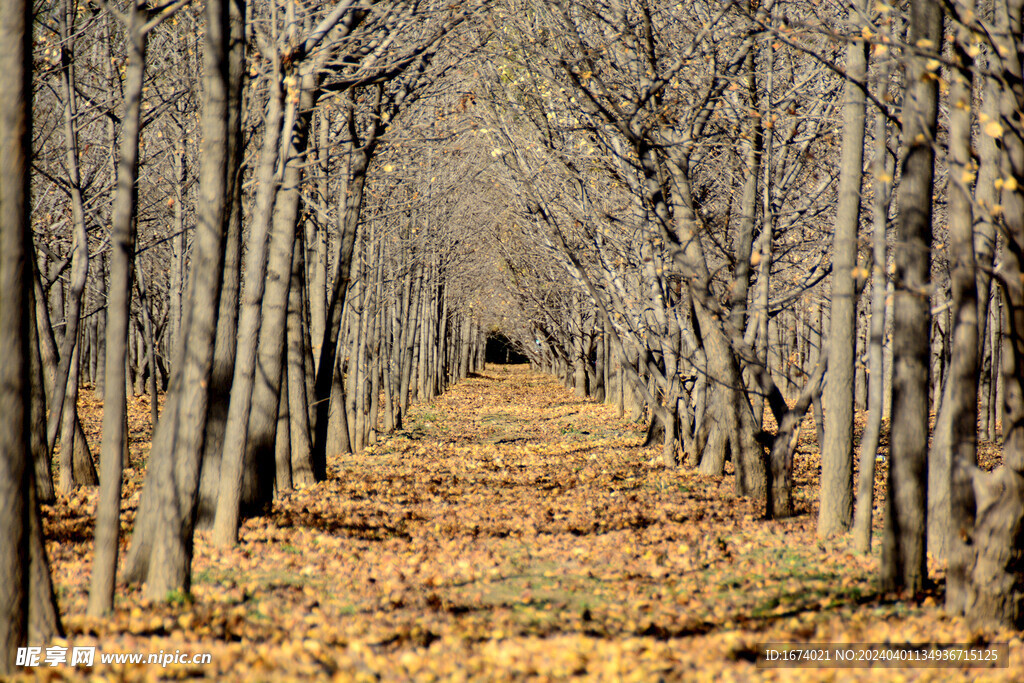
(883, 167)
(352, 203)
(836, 511)
(987, 196)
(994, 593)
(303, 469)
(224, 473)
(79, 269)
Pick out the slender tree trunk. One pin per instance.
(229, 475)
(836, 510)
(319, 158)
(15, 273)
(283, 440)
(749, 200)
(44, 622)
(271, 353)
(79, 264)
(224, 352)
(303, 470)
(905, 539)
(150, 339)
(883, 168)
(987, 197)
(954, 449)
(410, 332)
(352, 203)
(994, 594)
(177, 285)
(76, 465)
(162, 544)
(995, 389)
(40, 451)
(861, 379)
(122, 258)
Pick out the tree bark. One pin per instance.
(303, 469)
(15, 391)
(883, 168)
(352, 203)
(836, 511)
(63, 387)
(259, 457)
(40, 450)
(954, 444)
(229, 465)
(121, 266)
(995, 594)
(162, 544)
(227, 335)
(905, 540)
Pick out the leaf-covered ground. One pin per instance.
(510, 532)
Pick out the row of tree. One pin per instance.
(202, 169)
(703, 177)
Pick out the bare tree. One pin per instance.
(122, 265)
(904, 543)
(162, 555)
(28, 608)
(954, 450)
(15, 283)
(883, 169)
(836, 512)
(993, 593)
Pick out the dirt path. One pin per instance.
(511, 531)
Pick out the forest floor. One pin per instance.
(511, 531)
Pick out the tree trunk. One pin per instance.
(150, 338)
(224, 473)
(271, 355)
(162, 543)
(76, 465)
(954, 449)
(177, 284)
(225, 344)
(15, 391)
(283, 441)
(883, 168)
(44, 623)
(836, 510)
(352, 202)
(316, 233)
(779, 503)
(995, 594)
(410, 332)
(303, 470)
(40, 450)
(986, 194)
(905, 540)
(121, 266)
(79, 267)
(224, 352)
